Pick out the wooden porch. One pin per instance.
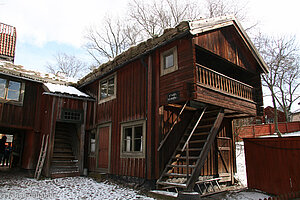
(212, 87)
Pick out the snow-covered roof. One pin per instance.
(19, 71)
(53, 84)
(64, 89)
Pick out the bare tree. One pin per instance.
(288, 83)
(154, 17)
(109, 40)
(282, 57)
(148, 19)
(68, 65)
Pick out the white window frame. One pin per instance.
(18, 102)
(115, 89)
(163, 55)
(133, 154)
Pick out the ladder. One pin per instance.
(42, 157)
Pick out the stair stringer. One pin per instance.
(196, 115)
(204, 153)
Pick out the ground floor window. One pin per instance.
(133, 139)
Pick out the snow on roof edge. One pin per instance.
(64, 89)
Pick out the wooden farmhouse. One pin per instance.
(164, 108)
(32, 105)
(160, 111)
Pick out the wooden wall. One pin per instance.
(179, 79)
(140, 92)
(51, 107)
(228, 44)
(129, 105)
(272, 164)
(25, 116)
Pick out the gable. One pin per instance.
(228, 44)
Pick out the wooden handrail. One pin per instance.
(173, 125)
(224, 83)
(192, 132)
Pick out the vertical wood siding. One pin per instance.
(25, 116)
(129, 105)
(177, 80)
(227, 43)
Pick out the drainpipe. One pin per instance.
(147, 109)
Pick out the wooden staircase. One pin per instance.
(64, 163)
(184, 167)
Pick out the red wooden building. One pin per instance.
(164, 108)
(34, 104)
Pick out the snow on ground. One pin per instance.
(245, 195)
(20, 187)
(240, 163)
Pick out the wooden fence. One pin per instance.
(272, 164)
(265, 129)
(288, 196)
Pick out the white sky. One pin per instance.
(46, 27)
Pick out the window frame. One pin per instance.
(4, 99)
(133, 154)
(109, 98)
(165, 54)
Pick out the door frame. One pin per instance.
(103, 170)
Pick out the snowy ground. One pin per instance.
(240, 163)
(17, 186)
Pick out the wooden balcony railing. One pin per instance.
(217, 81)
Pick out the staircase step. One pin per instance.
(58, 149)
(181, 166)
(176, 174)
(64, 174)
(200, 133)
(197, 141)
(64, 162)
(61, 140)
(190, 149)
(208, 119)
(204, 126)
(181, 185)
(62, 154)
(184, 158)
(62, 145)
(66, 158)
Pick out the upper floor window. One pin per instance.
(11, 90)
(107, 89)
(169, 61)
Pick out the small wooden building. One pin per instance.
(164, 108)
(33, 104)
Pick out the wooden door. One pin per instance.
(225, 165)
(103, 150)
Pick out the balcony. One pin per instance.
(218, 82)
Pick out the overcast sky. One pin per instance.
(45, 27)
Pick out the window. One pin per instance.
(107, 89)
(74, 116)
(133, 139)
(168, 60)
(11, 91)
